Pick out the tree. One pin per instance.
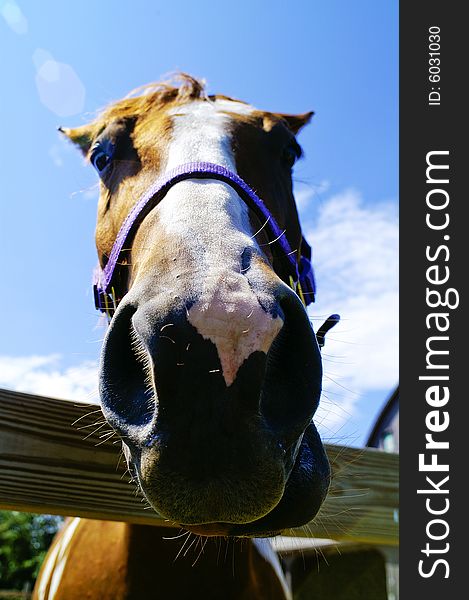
(24, 540)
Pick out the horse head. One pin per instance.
(210, 370)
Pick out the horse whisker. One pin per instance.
(176, 537)
(91, 424)
(95, 431)
(183, 545)
(86, 415)
(259, 230)
(275, 240)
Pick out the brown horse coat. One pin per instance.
(104, 560)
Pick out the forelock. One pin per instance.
(178, 90)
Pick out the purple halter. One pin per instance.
(301, 275)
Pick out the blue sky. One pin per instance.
(61, 61)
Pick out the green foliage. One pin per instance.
(24, 540)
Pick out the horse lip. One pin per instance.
(209, 529)
(221, 530)
(263, 526)
(242, 530)
(309, 494)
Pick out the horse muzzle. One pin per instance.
(212, 394)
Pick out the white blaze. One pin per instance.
(211, 221)
(200, 133)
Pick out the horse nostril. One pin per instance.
(246, 258)
(127, 395)
(292, 384)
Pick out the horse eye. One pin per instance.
(101, 157)
(100, 161)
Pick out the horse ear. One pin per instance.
(80, 136)
(296, 122)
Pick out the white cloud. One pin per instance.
(355, 256)
(14, 17)
(45, 376)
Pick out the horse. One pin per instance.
(210, 371)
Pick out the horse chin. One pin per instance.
(304, 494)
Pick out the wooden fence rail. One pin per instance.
(47, 466)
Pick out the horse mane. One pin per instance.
(180, 88)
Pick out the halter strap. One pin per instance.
(301, 275)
